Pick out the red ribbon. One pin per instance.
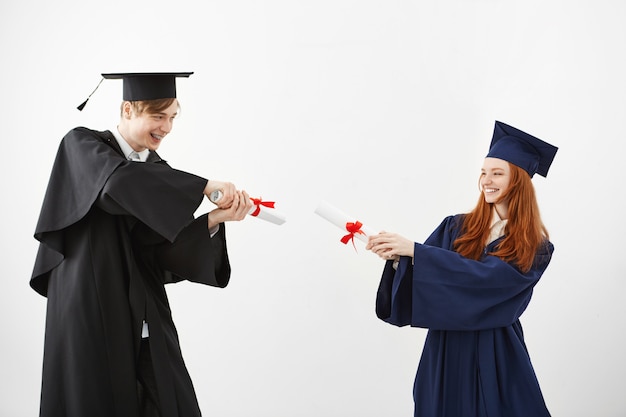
(258, 203)
(353, 228)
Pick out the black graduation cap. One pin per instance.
(144, 85)
(531, 154)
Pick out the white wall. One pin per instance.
(385, 109)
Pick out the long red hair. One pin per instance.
(524, 232)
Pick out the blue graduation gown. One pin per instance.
(474, 361)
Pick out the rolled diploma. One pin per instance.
(269, 214)
(339, 219)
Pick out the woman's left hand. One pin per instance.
(390, 246)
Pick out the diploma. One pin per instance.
(265, 210)
(345, 222)
(262, 209)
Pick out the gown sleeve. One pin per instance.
(442, 290)
(196, 256)
(161, 197)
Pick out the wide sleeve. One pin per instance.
(196, 256)
(160, 197)
(442, 290)
(393, 299)
(451, 292)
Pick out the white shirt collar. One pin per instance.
(497, 226)
(126, 148)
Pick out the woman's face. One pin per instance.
(147, 130)
(494, 179)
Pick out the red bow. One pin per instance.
(258, 203)
(353, 228)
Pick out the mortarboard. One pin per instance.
(139, 86)
(531, 154)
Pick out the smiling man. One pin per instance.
(117, 224)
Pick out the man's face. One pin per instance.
(147, 130)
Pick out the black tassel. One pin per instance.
(82, 105)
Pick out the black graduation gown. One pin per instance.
(112, 233)
(474, 362)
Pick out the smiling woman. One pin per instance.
(495, 176)
(469, 283)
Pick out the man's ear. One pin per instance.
(127, 110)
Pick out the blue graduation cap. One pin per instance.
(139, 86)
(519, 148)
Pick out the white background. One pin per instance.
(383, 108)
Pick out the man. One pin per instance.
(115, 226)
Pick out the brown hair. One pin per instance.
(524, 232)
(149, 106)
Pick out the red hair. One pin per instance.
(524, 232)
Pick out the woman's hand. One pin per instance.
(227, 189)
(238, 210)
(390, 246)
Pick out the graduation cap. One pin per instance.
(519, 148)
(140, 86)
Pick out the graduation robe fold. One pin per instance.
(112, 233)
(474, 361)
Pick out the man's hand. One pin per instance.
(238, 210)
(227, 189)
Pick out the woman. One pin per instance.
(117, 223)
(469, 283)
